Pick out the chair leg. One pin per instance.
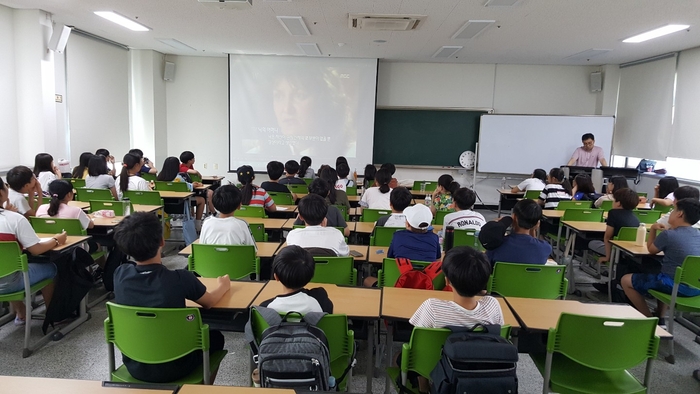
(547, 373)
(205, 367)
(26, 352)
(671, 358)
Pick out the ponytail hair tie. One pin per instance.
(54, 195)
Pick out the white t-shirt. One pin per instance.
(299, 302)
(342, 184)
(65, 212)
(531, 184)
(374, 199)
(44, 178)
(15, 227)
(319, 237)
(18, 200)
(466, 219)
(434, 313)
(226, 231)
(103, 181)
(396, 220)
(664, 220)
(671, 197)
(135, 183)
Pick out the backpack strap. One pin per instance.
(313, 317)
(433, 269)
(404, 265)
(271, 317)
(492, 329)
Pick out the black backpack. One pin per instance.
(115, 258)
(476, 362)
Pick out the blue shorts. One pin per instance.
(37, 273)
(660, 282)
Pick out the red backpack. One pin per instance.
(411, 278)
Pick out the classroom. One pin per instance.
(477, 94)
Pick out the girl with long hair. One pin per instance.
(80, 171)
(129, 178)
(45, 171)
(377, 196)
(335, 196)
(442, 196)
(98, 176)
(253, 195)
(170, 172)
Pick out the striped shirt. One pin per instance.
(260, 198)
(552, 194)
(434, 313)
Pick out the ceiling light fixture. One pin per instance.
(471, 29)
(501, 3)
(309, 48)
(447, 52)
(122, 20)
(294, 25)
(661, 31)
(176, 44)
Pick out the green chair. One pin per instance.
(528, 281)
(582, 215)
(627, 234)
(662, 208)
(248, 211)
(148, 177)
(430, 186)
(298, 189)
(144, 197)
(532, 194)
(440, 216)
(465, 237)
(689, 274)
(308, 181)
(211, 261)
(281, 198)
(195, 178)
(13, 260)
(599, 365)
(172, 186)
(382, 235)
(389, 274)
(77, 182)
(564, 205)
(641, 194)
(607, 205)
(343, 210)
(647, 216)
(116, 206)
(372, 215)
(335, 270)
(351, 190)
(341, 341)
(57, 225)
(86, 195)
(258, 232)
(134, 330)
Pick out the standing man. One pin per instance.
(588, 155)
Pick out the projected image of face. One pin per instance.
(294, 107)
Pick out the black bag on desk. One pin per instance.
(72, 283)
(480, 362)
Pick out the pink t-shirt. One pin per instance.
(65, 212)
(588, 159)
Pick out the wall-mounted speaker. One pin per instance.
(59, 38)
(169, 71)
(596, 81)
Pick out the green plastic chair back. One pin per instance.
(308, 181)
(607, 205)
(335, 270)
(77, 182)
(295, 188)
(195, 178)
(689, 274)
(528, 281)
(258, 232)
(662, 208)
(248, 211)
(583, 215)
(86, 195)
(532, 194)
(172, 186)
(627, 234)
(389, 274)
(430, 186)
(211, 261)
(647, 216)
(144, 197)
(564, 205)
(465, 237)
(343, 210)
(440, 215)
(372, 215)
(641, 194)
(576, 365)
(132, 330)
(281, 198)
(57, 225)
(351, 190)
(148, 177)
(116, 206)
(383, 235)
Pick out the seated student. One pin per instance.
(148, 283)
(292, 168)
(464, 218)
(275, 170)
(664, 191)
(225, 229)
(45, 170)
(98, 176)
(392, 170)
(557, 189)
(621, 215)
(442, 196)
(21, 181)
(81, 170)
(343, 182)
(129, 178)
(417, 242)
(109, 159)
(294, 267)
(147, 167)
(377, 196)
(15, 227)
(187, 163)
(677, 241)
(316, 234)
(681, 193)
(305, 170)
(535, 182)
(615, 182)
(170, 172)
(253, 195)
(369, 175)
(583, 189)
(399, 199)
(61, 192)
(334, 218)
(335, 196)
(521, 246)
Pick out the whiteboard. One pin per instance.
(517, 144)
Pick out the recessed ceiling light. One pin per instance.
(587, 54)
(309, 49)
(661, 31)
(501, 3)
(176, 44)
(446, 52)
(122, 20)
(294, 25)
(471, 29)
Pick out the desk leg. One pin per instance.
(372, 345)
(612, 272)
(556, 247)
(569, 261)
(500, 202)
(389, 355)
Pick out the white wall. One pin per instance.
(148, 104)
(9, 148)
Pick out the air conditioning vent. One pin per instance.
(229, 4)
(385, 22)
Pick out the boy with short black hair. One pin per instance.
(621, 215)
(147, 166)
(464, 217)
(187, 163)
(22, 181)
(225, 229)
(334, 218)
(148, 283)
(275, 170)
(291, 168)
(399, 199)
(522, 245)
(681, 193)
(677, 241)
(343, 182)
(313, 210)
(294, 267)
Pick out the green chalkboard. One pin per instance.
(424, 136)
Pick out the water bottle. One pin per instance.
(354, 176)
(641, 234)
(422, 187)
(449, 238)
(127, 206)
(428, 200)
(503, 183)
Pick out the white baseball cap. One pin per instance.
(418, 216)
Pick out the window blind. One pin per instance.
(685, 143)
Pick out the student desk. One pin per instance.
(627, 247)
(265, 249)
(83, 205)
(106, 222)
(71, 241)
(270, 224)
(238, 297)
(203, 187)
(507, 199)
(364, 227)
(541, 315)
(21, 384)
(203, 389)
(212, 180)
(175, 195)
(572, 229)
(357, 248)
(146, 208)
(287, 208)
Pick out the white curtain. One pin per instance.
(685, 143)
